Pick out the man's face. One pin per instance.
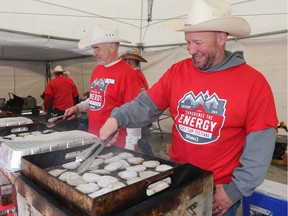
(131, 62)
(206, 48)
(102, 52)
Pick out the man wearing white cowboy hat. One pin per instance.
(223, 109)
(60, 94)
(133, 58)
(113, 82)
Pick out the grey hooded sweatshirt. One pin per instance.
(258, 148)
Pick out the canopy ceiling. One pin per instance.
(48, 30)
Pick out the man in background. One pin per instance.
(133, 58)
(113, 82)
(60, 94)
(75, 90)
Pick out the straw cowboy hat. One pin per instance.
(100, 36)
(133, 54)
(215, 15)
(57, 69)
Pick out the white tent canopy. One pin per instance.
(38, 34)
(71, 19)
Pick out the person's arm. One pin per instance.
(255, 162)
(128, 115)
(83, 106)
(260, 125)
(75, 110)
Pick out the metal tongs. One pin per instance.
(88, 155)
(55, 120)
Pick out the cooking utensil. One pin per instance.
(56, 120)
(88, 161)
(53, 119)
(83, 155)
(53, 124)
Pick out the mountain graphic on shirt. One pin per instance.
(200, 118)
(211, 104)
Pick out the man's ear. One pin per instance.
(114, 46)
(222, 38)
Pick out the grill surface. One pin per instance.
(35, 167)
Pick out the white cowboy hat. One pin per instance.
(133, 54)
(57, 69)
(67, 73)
(215, 15)
(100, 36)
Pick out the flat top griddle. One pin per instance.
(35, 167)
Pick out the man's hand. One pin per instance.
(109, 127)
(73, 112)
(221, 202)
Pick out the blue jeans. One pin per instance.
(232, 210)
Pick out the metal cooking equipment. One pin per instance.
(19, 127)
(23, 127)
(5, 114)
(52, 122)
(88, 161)
(11, 151)
(35, 168)
(191, 198)
(12, 124)
(9, 121)
(53, 119)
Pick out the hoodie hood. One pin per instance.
(231, 60)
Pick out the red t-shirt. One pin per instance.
(213, 112)
(75, 89)
(61, 91)
(110, 87)
(142, 80)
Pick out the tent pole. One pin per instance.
(240, 38)
(39, 35)
(48, 74)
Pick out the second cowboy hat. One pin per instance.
(57, 69)
(215, 15)
(133, 54)
(99, 36)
